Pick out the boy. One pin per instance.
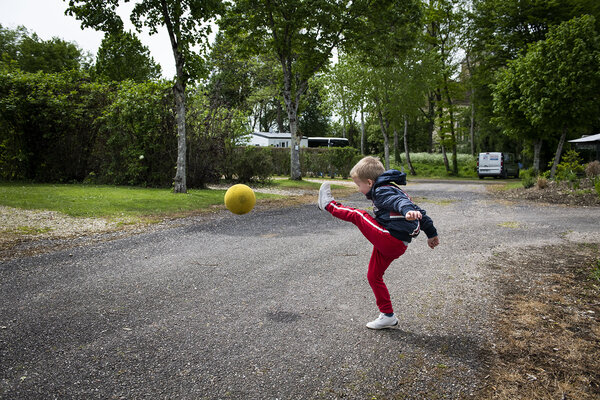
(397, 220)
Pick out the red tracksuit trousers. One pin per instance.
(386, 249)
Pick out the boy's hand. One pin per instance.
(412, 215)
(433, 242)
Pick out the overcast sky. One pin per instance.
(47, 18)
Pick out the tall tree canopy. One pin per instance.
(31, 54)
(122, 56)
(558, 81)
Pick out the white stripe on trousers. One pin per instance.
(362, 215)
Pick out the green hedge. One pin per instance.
(66, 128)
(260, 163)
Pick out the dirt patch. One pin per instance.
(548, 329)
(554, 193)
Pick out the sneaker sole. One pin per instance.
(383, 327)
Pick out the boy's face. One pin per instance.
(363, 186)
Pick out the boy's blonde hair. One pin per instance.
(367, 168)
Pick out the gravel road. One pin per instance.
(269, 305)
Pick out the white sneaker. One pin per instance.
(325, 196)
(383, 322)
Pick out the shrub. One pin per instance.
(592, 169)
(315, 162)
(342, 159)
(542, 182)
(281, 160)
(570, 169)
(528, 177)
(253, 164)
(597, 185)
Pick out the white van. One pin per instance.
(497, 165)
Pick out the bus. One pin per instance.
(327, 142)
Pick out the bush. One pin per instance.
(281, 160)
(342, 159)
(253, 163)
(316, 162)
(542, 182)
(570, 169)
(597, 185)
(592, 169)
(528, 177)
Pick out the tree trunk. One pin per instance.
(472, 127)
(445, 157)
(397, 156)
(537, 148)
(559, 148)
(179, 182)
(438, 97)
(452, 130)
(362, 130)
(291, 104)
(430, 118)
(295, 172)
(386, 142)
(407, 152)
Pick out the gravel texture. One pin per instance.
(269, 305)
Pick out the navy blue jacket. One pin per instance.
(391, 205)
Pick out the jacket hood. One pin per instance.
(391, 175)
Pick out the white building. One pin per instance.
(274, 139)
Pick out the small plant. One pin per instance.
(542, 182)
(528, 177)
(597, 185)
(570, 169)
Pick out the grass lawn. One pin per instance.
(284, 183)
(108, 201)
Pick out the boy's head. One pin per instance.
(365, 173)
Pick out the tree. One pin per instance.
(443, 21)
(122, 56)
(509, 104)
(186, 24)
(558, 81)
(302, 35)
(314, 115)
(347, 89)
(387, 32)
(31, 54)
(501, 30)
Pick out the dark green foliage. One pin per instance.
(342, 159)
(64, 128)
(27, 52)
(122, 56)
(48, 125)
(528, 177)
(570, 168)
(252, 164)
(137, 144)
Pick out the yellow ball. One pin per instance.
(240, 199)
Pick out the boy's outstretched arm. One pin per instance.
(433, 242)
